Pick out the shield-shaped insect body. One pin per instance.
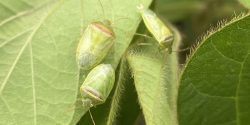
(94, 45)
(157, 28)
(98, 85)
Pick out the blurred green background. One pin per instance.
(194, 18)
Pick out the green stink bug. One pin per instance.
(159, 30)
(94, 45)
(97, 85)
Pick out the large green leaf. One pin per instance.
(214, 87)
(38, 72)
(39, 78)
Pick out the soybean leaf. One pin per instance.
(214, 87)
(38, 73)
(155, 76)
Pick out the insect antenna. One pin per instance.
(119, 19)
(139, 34)
(103, 12)
(112, 9)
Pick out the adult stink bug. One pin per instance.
(97, 85)
(94, 45)
(159, 30)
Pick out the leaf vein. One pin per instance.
(14, 37)
(207, 95)
(216, 49)
(23, 13)
(27, 42)
(5, 103)
(237, 91)
(33, 83)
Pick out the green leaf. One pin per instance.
(155, 77)
(39, 78)
(214, 87)
(245, 3)
(38, 74)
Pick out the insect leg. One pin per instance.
(91, 116)
(182, 50)
(139, 34)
